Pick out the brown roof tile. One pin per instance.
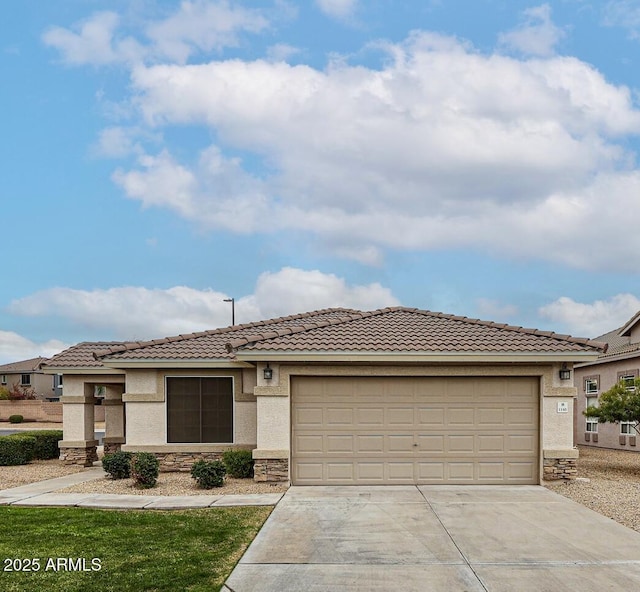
(80, 355)
(30, 365)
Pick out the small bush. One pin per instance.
(17, 449)
(239, 463)
(16, 419)
(46, 446)
(117, 464)
(208, 474)
(4, 393)
(145, 468)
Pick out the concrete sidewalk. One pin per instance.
(44, 493)
(437, 538)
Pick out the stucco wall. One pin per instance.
(607, 374)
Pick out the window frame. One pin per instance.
(630, 425)
(233, 409)
(3, 379)
(597, 403)
(589, 381)
(628, 375)
(22, 380)
(593, 422)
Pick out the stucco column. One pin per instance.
(271, 457)
(114, 418)
(558, 452)
(78, 444)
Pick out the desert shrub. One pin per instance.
(208, 473)
(145, 468)
(16, 449)
(239, 463)
(46, 445)
(16, 418)
(4, 393)
(117, 464)
(21, 393)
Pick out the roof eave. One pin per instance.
(612, 358)
(177, 363)
(79, 370)
(408, 356)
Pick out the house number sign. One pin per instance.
(563, 407)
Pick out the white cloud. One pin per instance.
(140, 313)
(591, 319)
(537, 35)
(197, 26)
(14, 348)
(623, 13)
(202, 26)
(93, 41)
(340, 9)
(443, 147)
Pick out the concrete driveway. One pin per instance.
(437, 538)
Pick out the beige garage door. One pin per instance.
(423, 430)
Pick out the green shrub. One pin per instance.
(239, 463)
(145, 468)
(17, 449)
(208, 473)
(46, 446)
(4, 393)
(16, 419)
(117, 464)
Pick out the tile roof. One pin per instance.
(80, 355)
(30, 365)
(396, 329)
(400, 329)
(619, 342)
(207, 345)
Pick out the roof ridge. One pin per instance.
(518, 329)
(132, 345)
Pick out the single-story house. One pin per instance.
(620, 361)
(28, 374)
(338, 396)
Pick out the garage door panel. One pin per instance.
(414, 430)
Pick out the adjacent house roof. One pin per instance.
(336, 331)
(619, 344)
(24, 366)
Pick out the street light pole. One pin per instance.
(233, 309)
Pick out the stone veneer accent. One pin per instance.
(271, 470)
(560, 468)
(112, 447)
(172, 462)
(79, 456)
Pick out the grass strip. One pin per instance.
(148, 550)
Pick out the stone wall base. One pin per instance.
(560, 468)
(271, 470)
(79, 456)
(110, 448)
(173, 462)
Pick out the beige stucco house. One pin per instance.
(620, 361)
(338, 396)
(28, 374)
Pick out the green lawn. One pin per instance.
(134, 550)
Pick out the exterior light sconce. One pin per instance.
(268, 372)
(565, 373)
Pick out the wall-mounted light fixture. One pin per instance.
(565, 373)
(267, 372)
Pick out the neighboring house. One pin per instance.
(337, 396)
(29, 375)
(620, 361)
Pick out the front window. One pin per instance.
(25, 380)
(591, 386)
(592, 401)
(200, 410)
(592, 426)
(628, 428)
(3, 379)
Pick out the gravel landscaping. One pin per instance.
(608, 482)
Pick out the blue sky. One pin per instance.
(471, 157)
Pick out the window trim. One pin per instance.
(3, 379)
(591, 380)
(22, 381)
(631, 425)
(233, 410)
(594, 422)
(625, 375)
